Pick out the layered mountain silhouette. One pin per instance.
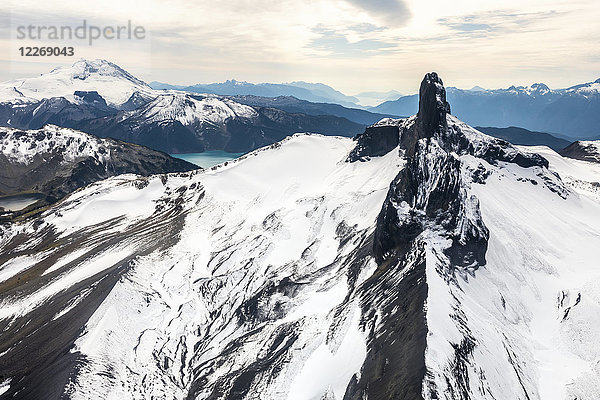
(422, 259)
(573, 112)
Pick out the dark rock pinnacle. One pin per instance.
(433, 106)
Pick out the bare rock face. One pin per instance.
(375, 141)
(199, 297)
(583, 150)
(428, 205)
(59, 161)
(431, 185)
(433, 106)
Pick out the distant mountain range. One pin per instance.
(314, 92)
(525, 137)
(186, 123)
(101, 98)
(370, 99)
(295, 105)
(419, 260)
(180, 122)
(572, 112)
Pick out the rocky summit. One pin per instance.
(420, 260)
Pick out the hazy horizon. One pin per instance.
(351, 45)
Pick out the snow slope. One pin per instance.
(56, 161)
(113, 83)
(223, 257)
(22, 146)
(189, 110)
(455, 266)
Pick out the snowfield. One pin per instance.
(240, 235)
(21, 147)
(189, 110)
(114, 84)
(261, 278)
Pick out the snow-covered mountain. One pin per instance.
(313, 92)
(110, 81)
(371, 99)
(193, 110)
(101, 98)
(55, 161)
(55, 111)
(572, 112)
(585, 150)
(182, 122)
(423, 260)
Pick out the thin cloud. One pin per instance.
(337, 44)
(498, 21)
(394, 12)
(366, 28)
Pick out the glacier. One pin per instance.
(441, 264)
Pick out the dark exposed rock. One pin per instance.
(433, 106)
(430, 187)
(168, 136)
(136, 100)
(91, 97)
(394, 367)
(584, 151)
(53, 175)
(520, 136)
(375, 141)
(500, 150)
(56, 110)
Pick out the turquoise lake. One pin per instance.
(19, 201)
(208, 158)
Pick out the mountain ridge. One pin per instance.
(572, 111)
(54, 161)
(314, 92)
(114, 84)
(301, 271)
(101, 98)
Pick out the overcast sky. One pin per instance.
(353, 45)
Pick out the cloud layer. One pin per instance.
(354, 45)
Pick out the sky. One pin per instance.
(352, 45)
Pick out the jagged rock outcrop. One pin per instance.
(433, 106)
(136, 100)
(583, 150)
(91, 97)
(55, 161)
(427, 206)
(430, 187)
(55, 110)
(375, 141)
(454, 267)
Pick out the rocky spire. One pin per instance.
(433, 106)
(431, 118)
